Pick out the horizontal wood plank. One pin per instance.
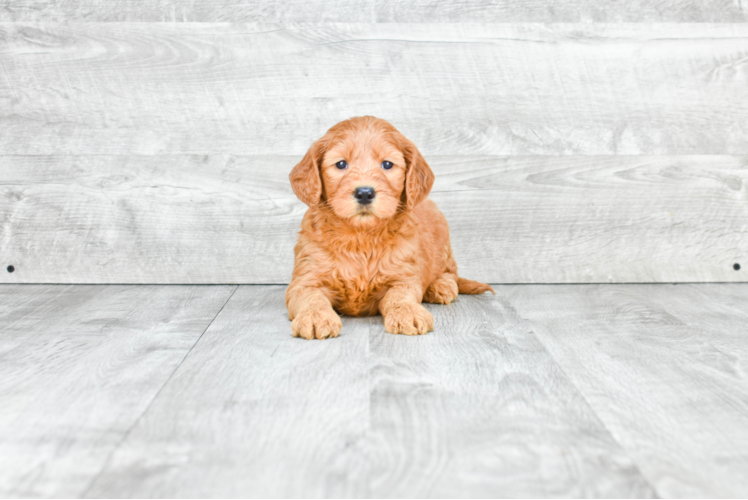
(78, 366)
(251, 89)
(665, 369)
(233, 219)
(254, 413)
(372, 11)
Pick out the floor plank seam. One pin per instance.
(106, 462)
(530, 323)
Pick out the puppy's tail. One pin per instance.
(470, 287)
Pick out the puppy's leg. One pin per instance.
(311, 313)
(443, 290)
(403, 312)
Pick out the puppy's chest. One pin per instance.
(361, 281)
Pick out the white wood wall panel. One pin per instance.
(145, 88)
(158, 153)
(233, 219)
(376, 10)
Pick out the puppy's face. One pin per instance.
(364, 170)
(363, 175)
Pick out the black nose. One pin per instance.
(364, 195)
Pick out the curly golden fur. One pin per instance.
(361, 256)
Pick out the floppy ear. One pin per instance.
(418, 178)
(305, 176)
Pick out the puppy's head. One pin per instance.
(364, 170)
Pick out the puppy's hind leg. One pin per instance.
(443, 290)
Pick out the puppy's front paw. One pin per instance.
(408, 319)
(316, 324)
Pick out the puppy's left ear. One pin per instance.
(305, 177)
(418, 178)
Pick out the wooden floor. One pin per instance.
(540, 390)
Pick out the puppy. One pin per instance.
(371, 242)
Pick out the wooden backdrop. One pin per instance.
(588, 141)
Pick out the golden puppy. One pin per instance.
(370, 242)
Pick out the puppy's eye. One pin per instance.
(342, 165)
(386, 165)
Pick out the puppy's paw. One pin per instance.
(441, 291)
(316, 324)
(408, 319)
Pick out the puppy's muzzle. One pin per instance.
(364, 195)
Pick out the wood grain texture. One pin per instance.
(540, 391)
(78, 366)
(373, 11)
(478, 409)
(251, 89)
(253, 412)
(665, 369)
(233, 219)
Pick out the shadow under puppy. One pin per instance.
(371, 242)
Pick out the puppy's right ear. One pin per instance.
(305, 176)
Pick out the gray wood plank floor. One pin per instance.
(573, 390)
(480, 409)
(665, 368)
(78, 367)
(253, 412)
